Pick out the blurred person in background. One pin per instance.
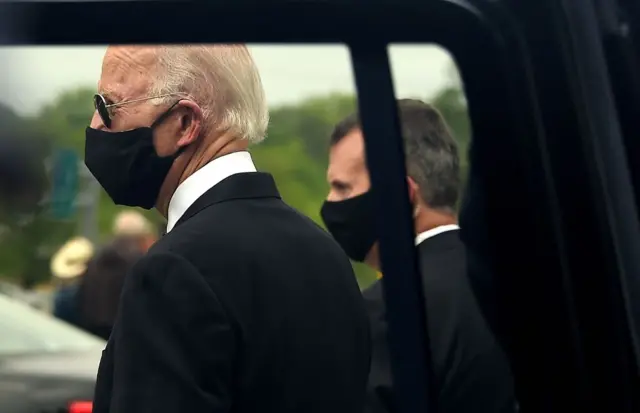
(245, 305)
(68, 265)
(101, 286)
(470, 370)
(132, 226)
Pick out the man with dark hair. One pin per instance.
(470, 370)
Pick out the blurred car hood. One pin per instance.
(80, 364)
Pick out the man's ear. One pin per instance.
(414, 191)
(414, 196)
(190, 122)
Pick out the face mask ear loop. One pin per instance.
(165, 115)
(162, 118)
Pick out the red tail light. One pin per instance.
(80, 407)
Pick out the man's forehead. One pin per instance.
(350, 147)
(126, 69)
(348, 154)
(132, 55)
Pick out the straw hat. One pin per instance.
(131, 223)
(71, 260)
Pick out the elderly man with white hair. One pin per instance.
(131, 223)
(245, 305)
(133, 226)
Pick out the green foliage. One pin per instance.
(310, 122)
(295, 152)
(66, 118)
(26, 231)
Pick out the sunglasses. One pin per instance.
(104, 109)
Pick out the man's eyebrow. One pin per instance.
(110, 95)
(338, 183)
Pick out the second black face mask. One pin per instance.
(126, 165)
(352, 223)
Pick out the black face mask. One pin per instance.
(126, 164)
(352, 223)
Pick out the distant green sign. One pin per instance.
(64, 182)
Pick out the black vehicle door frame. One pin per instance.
(546, 172)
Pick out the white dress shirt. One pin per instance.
(204, 179)
(435, 231)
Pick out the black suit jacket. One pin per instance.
(245, 306)
(470, 371)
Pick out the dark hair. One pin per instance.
(431, 152)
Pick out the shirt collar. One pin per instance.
(204, 179)
(428, 234)
(435, 231)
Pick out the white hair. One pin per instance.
(222, 79)
(131, 223)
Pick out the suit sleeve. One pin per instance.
(173, 345)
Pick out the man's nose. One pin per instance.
(333, 196)
(96, 121)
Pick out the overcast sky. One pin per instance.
(33, 76)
